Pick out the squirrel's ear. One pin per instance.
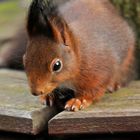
(44, 19)
(38, 21)
(61, 30)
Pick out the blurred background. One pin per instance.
(130, 10)
(13, 22)
(13, 15)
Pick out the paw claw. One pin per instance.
(46, 100)
(73, 108)
(113, 88)
(76, 104)
(50, 102)
(81, 107)
(67, 107)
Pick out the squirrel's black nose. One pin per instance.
(35, 94)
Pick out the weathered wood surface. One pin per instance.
(22, 112)
(19, 110)
(117, 112)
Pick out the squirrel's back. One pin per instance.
(99, 26)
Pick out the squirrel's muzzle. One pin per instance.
(44, 90)
(37, 92)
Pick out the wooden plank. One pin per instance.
(115, 113)
(19, 110)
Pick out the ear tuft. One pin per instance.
(45, 19)
(38, 22)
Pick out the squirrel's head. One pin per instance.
(50, 57)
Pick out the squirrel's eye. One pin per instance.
(57, 65)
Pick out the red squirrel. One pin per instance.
(81, 44)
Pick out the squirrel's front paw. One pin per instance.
(76, 104)
(46, 100)
(113, 88)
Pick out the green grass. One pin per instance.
(9, 10)
(12, 15)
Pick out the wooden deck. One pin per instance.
(115, 113)
(21, 112)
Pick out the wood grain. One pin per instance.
(19, 110)
(115, 113)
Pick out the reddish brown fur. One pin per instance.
(98, 52)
